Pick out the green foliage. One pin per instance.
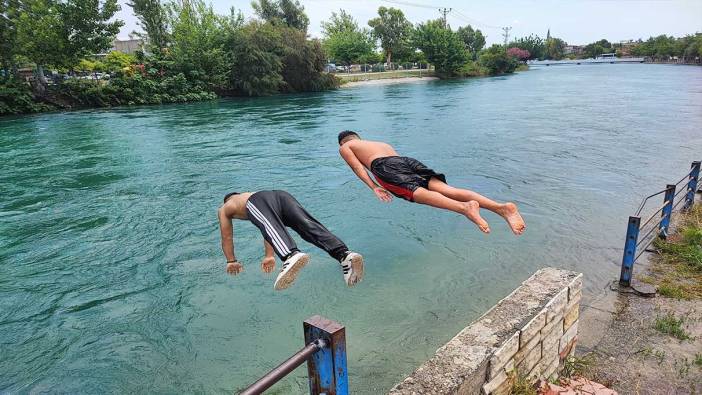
(554, 48)
(303, 61)
(578, 366)
(286, 12)
(199, 35)
(152, 18)
(345, 42)
(442, 47)
(671, 325)
(16, 98)
(116, 62)
(268, 58)
(533, 43)
(496, 60)
(256, 67)
(393, 30)
(597, 48)
(521, 384)
(473, 39)
(130, 91)
(60, 33)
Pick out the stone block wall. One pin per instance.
(529, 333)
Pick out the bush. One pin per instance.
(496, 60)
(472, 69)
(16, 98)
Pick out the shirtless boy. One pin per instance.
(271, 212)
(411, 180)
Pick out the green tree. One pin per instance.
(9, 11)
(57, 33)
(496, 60)
(116, 61)
(442, 47)
(393, 30)
(473, 39)
(303, 63)
(198, 42)
(287, 12)
(533, 43)
(597, 48)
(256, 67)
(555, 47)
(344, 41)
(153, 19)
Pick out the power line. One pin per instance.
(410, 4)
(443, 12)
(473, 21)
(505, 33)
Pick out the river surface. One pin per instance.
(111, 274)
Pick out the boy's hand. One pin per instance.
(234, 267)
(268, 264)
(382, 194)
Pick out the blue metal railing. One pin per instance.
(325, 354)
(634, 245)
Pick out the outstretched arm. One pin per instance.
(361, 173)
(227, 232)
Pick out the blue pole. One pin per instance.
(667, 211)
(632, 237)
(327, 368)
(692, 185)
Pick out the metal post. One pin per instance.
(632, 237)
(327, 367)
(692, 185)
(667, 211)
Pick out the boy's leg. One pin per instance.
(463, 195)
(311, 230)
(508, 211)
(270, 223)
(470, 209)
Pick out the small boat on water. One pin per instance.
(604, 58)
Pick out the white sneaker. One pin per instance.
(352, 266)
(291, 267)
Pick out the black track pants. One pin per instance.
(272, 211)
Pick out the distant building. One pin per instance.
(573, 50)
(128, 46)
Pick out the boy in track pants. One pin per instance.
(272, 212)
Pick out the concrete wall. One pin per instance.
(529, 333)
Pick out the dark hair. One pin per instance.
(227, 196)
(347, 133)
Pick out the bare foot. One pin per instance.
(510, 213)
(473, 214)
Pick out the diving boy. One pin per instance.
(411, 180)
(272, 212)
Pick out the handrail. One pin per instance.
(643, 202)
(325, 354)
(653, 215)
(635, 246)
(284, 368)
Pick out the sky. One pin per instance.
(575, 21)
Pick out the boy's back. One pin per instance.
(366, 151)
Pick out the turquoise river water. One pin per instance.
(111, 274)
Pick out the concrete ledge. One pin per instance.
(510, 337)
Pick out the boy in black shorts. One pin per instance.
(411, 180)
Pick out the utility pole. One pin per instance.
(505, 33)
(443, 12)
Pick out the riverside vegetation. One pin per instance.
(192, 53)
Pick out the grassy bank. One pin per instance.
(677, 268)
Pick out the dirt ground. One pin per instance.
(633, 357)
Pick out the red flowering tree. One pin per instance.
(521, 54)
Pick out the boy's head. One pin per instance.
(347, 135)
(227, 196)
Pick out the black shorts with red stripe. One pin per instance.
(401, 175)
